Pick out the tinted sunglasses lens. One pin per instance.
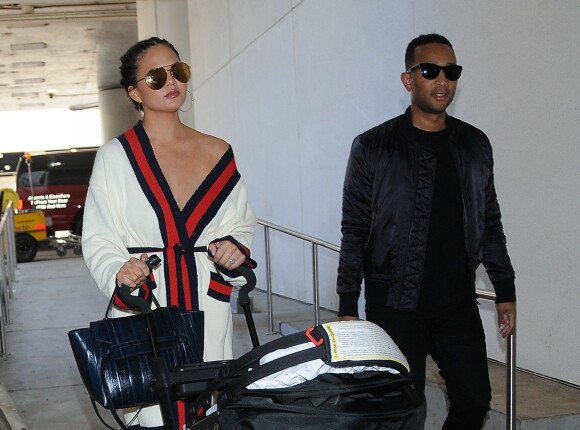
(181, 72)
(452, 72)
(156, 78)
(429, 71)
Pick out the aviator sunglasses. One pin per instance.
(430, 71)
(156, 78)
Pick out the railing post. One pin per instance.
(3, 304)
(11, 251)
(511, 383)
(8, 270)
(269, 280)
(5, 283)
(316, 298)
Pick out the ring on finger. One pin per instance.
(231, 261)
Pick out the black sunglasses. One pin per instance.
(156, 78)
(430, 71)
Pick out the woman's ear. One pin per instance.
(134, 94)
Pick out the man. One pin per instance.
(420, 213)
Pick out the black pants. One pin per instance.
(456, 342)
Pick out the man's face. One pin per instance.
(431, 96)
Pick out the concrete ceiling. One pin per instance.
(59, 54)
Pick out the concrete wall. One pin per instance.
(290, 83)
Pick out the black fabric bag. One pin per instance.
(370, 401)
(114, 355)
(338, 375)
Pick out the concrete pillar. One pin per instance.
(117, 112)
(146, 18)
(168, 19)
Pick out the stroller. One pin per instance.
(339, 375)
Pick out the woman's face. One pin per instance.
(171, 95)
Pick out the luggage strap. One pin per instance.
(258, 372)
(245, 370)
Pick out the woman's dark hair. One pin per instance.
(421, 40)
(130, 59)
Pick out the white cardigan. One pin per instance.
(119, 215)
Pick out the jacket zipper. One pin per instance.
(460, 174)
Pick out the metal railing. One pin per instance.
(316, 243)
(8, 269)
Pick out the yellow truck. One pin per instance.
(29, 227)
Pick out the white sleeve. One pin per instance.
(237, 221)
(104, 250)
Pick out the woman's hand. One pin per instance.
(133, 272)
(226, 254)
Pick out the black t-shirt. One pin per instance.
(446, 280)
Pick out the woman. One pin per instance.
(167, 189)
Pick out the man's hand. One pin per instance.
(506, 318)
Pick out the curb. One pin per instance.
(9, 416)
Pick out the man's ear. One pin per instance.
(134, 94)
(406, 80)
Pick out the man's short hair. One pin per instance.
(421, 40)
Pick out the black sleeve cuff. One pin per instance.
(505, 290)
(348, 304)
(244, 250)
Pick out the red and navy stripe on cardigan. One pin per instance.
(180, 228)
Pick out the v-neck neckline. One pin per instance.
(196, 195)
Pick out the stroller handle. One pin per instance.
(250, 284)
(153, 261)
(136, 301)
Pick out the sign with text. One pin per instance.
(49, 201)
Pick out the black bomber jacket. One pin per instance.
(385, 214)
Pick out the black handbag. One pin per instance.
(114, 355)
